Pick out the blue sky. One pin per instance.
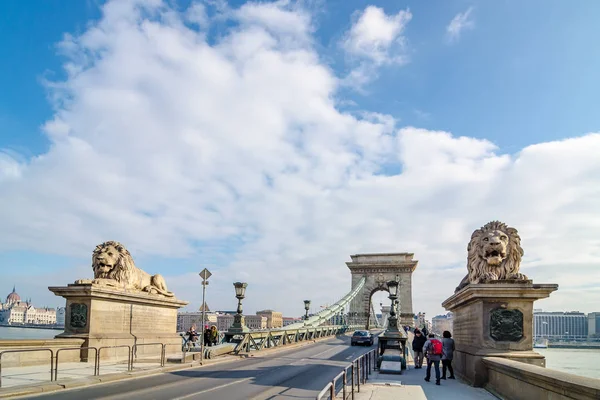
(522, 75)
(514, 76)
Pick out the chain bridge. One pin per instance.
(370, 273)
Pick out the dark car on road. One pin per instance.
(361, 337)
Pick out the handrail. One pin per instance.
(96, 360)
(26, 351)
(162, 351)
(360, 369)
(325, 390)
(116, 347)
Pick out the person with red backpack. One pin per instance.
(433, 350)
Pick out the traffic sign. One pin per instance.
(205, 274)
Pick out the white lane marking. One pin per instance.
(323, 352)
(187, 396)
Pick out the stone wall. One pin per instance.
(27, 358)
(514, 380)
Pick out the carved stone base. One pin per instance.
(494, 320)
(104, 316)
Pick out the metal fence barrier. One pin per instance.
(96, 359)
(54, 357)
(162, 352)
(27, 351)
(360, 369)
(275, 337)
(116, 347)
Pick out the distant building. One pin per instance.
(274, 318)
(421, 321)
(256, 322)
(17, 312)
(593, 320)
(441, 323)
(60, 316)
(224, 321)
(186, 319)
(291, 320)
(560, 325)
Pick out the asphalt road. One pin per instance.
(298, 373)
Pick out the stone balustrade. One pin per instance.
(509, 379)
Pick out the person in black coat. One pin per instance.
(417, 345)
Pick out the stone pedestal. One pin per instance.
(494, 320)
(105, 316)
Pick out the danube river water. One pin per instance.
(27, 333)
(582, 362)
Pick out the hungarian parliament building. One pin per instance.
(21, 313)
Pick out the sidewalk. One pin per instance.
(40, 374)
(412, 386)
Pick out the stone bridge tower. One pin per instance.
(378, 269)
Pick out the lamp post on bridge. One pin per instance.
(204, 274)
(392, 337)
(392, 327)
(306, 307)
(239, 323)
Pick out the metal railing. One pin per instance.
(163, 349)
(96, 359)
(54, 356)
(360, 369)
(27, 351)
(129, 352)
(259, 340)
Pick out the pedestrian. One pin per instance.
(214, 335)
(433, 350)
(448, 354)
(206, 335)
(417, 346)
(425, 331)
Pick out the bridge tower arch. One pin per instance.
(378, 269)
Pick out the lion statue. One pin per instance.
(494, 253)
(114, 266)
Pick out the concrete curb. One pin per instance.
(48, 387)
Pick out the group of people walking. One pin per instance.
(434, 350)
(211, 335)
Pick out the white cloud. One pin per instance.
(10, 165)
(178, 147)
(459, 23)
(375, 39)
(374, 33)
(280, 17)
(196, 13)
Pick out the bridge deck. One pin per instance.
(298, 373)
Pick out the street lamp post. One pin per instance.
(306, 308)
(239, 323)
(393, 337)
(392, 320)
(204, 274)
